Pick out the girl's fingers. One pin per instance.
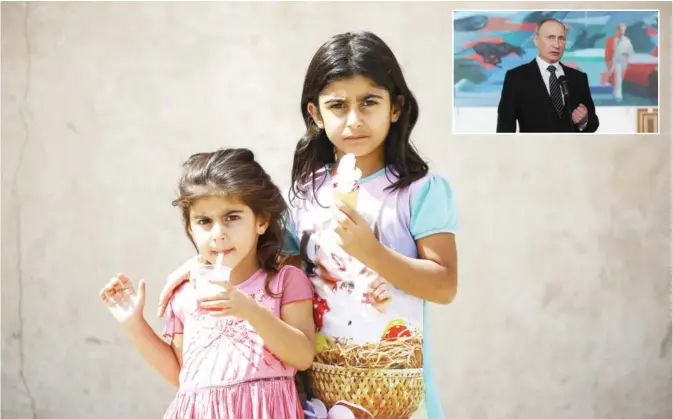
(142, 290)
(117, 286)
(220, 312)
(110, 285)
(106, 294)
(340, 231)
(382, 292)
(180, 275)
(109, 290)
(104, 297)
(174, 280)
(216, 307)
(376, 283)
(124, 281)
(224, 283)
(220, 302)
(127, 291)
(222, 296)
(383, 296)
(215, 304)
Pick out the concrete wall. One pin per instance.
(563, 308)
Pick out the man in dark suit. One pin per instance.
(532, 94)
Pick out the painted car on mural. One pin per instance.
(487, 44)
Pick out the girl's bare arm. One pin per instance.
(164, 358)
(290, 337)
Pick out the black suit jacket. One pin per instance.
(525, 99)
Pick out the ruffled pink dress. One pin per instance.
(227, 371)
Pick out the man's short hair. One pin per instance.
(549, 19)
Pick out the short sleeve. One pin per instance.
(433, 209)
(296, 285)
(290, 240)
(174, 315)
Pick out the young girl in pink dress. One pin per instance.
(233, 353)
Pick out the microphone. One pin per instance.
(563, 81)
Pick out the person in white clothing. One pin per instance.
(623, 49)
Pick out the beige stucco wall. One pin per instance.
(563, 308)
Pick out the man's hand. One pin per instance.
(580, 115)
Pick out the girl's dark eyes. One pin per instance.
(366, 103)
(229, 218)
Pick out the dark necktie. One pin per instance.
(555, 91)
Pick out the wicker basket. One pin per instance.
(386, 394)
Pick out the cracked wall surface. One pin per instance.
(564, 298)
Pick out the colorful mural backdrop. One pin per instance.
(488, 43)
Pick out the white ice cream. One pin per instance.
(347, 174)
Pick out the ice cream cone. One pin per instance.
(348, 198)
(346, 182)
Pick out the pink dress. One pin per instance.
(227, 371)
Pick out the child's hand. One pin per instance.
(381, 292)
(173, 281)
(230, 302)
(355, 235)
(122, 300)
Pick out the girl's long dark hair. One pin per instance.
(342, 56)
(236, 173)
